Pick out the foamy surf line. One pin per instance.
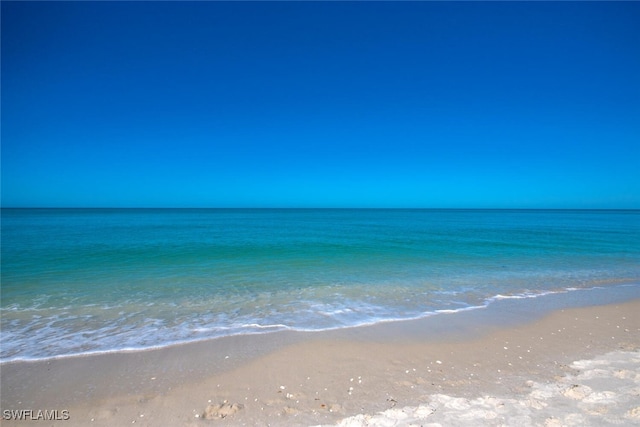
(603, 390)
(606, 295)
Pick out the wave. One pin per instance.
(115, 341)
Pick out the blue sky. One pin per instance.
(321, 104)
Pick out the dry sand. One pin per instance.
(602, 391)
(577, 366)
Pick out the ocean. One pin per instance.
(82, 281)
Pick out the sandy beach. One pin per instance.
(571, 366)
(320, 213)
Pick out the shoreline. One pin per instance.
(612, 291)
(309, 378)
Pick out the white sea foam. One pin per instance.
(54, 335)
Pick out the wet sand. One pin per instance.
(464, 369)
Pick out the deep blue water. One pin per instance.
(77, 281)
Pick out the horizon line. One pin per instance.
(318, 208)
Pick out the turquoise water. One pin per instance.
(78, 281)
